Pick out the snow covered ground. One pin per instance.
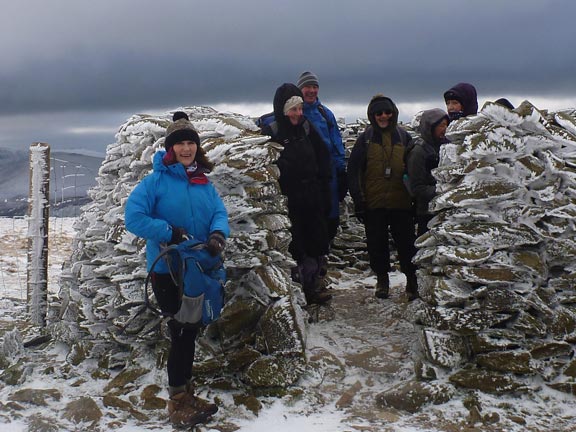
(359, 348)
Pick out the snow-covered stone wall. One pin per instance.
(260, 336)
(497, 268)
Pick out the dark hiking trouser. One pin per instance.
(379, 224)
(332, 224)
(182, 336)
(309, 233)
(422, 223)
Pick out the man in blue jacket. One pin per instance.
(325, 124)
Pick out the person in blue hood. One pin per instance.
(461, 101)
(173, 202)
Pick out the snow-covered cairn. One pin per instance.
(498, 266)
(260, 336)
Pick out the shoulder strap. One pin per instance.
(274, 128)
(402, 135)
(322, 111)
(306, 127)
(368, 133)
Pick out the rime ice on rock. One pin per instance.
(261, 325)
(497, 272)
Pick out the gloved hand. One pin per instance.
(359, 213)
(178, 235)
(342, 180)
(216, 243)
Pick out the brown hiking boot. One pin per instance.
(382, 286)
(412, 287)
(186, 409)
(204, 406)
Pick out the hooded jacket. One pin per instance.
(465, 94)
(392, 192)
(165, 199)
(422, 156)
(304, 162)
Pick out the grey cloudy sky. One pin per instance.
(72, 71)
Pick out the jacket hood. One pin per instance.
(158, 161)
(428, 121)
(380, 101)
(158, 165)
(465, 94)
(283, 93)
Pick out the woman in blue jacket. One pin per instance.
(174, 201)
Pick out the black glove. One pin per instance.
(359, 213)
(216, 243)
(342, 180)
(178, 235)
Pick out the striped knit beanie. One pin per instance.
(307, 79)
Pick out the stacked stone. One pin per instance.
(260, 335)
(497, 268)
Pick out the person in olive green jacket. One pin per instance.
(381, 201)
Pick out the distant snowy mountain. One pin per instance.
(72, 175)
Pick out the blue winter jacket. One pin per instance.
(330, 134)
(165, 199)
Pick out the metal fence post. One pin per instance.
(38, 216)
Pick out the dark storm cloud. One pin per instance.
(132, 55)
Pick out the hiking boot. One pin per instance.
(318, 297)
(204, 406)
(186, 409)
(412, 287)
(198, 402)
(382, 286)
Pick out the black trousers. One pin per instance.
(332, 224)
(379, 225)
(182, 336)
(422, 221)
(309, 233)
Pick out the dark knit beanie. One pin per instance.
(307, 79)
(180, 130)
(451, 95)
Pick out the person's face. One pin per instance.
(185, 152)
(294, 114)
(310, 93)
(439, 131)
(452, 105)
(383, 117)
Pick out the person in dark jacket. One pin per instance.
(381, 201)
(461, 101)
(173, 202)
(422, 156)
(325, 124)
(305, 175)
